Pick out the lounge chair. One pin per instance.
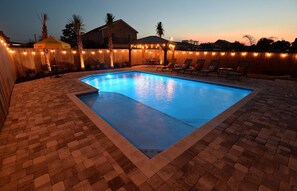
(186, 65)
(198, 66)
(241, 70)
(168, 66)
(212, 67)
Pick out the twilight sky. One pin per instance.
(202, 20)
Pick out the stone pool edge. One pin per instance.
(147, 166)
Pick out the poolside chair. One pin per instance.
(212, 67)
(168, 66)
(186, 65)
(198, 66)
(241, 70)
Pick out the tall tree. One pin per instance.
(264, 44)
(109, 21)
(160, 29)
(281, 46)
(160, 33)
(69, 35)
(294, 45)
(43, 19)
(78, 28)
(251, 40)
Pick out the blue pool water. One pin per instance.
(152, 111)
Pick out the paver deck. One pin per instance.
(47, 143)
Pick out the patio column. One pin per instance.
(130, 56)
(165, 54)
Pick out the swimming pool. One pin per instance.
(153, 111)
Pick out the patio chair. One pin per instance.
(168, 66)
(212, 67)
(241, 70)
(186, 65)
(198, 66)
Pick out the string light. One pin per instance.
(73, 52)
(197, 53)
(232, 53)
(256, 54)
(205, 53)
(213, 53)
(33, 53)
(284, 55)
(64, 52)
(243, 54)
(83, 52)
(25, 53)
(93, 52)
(268, 54)
(223, 53)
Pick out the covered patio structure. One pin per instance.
(151, 42)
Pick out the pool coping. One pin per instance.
(148, 166)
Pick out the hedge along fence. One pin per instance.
(8, 77)
(262, 63)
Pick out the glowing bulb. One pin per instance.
(205, 53)
(256, 53)
(73, 52)
(197, 53)
(64, 52)
(213, 53)
(268, 54)
(33, 53)
(83, 52)
(42, 52)
(243, 54)
(284, 55)
(232, 53)
(93, 52)
(223, 53)
(25, 53)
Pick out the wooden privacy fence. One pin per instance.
(7, 79)
(262, 63)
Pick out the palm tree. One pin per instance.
(109, 21)
(160, 33)
(43, 18)
(159, 29)
(78, 28)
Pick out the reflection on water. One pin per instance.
(189, 101)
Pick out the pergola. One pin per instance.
(151, 42)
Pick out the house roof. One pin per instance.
(104, 26)
(150, 40)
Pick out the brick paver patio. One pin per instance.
(47, 143)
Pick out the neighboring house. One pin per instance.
(221, 45)
(122, 35)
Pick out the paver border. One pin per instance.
(151, 166)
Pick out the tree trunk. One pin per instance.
(80, 49)
(110, 47)
(47, 60)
